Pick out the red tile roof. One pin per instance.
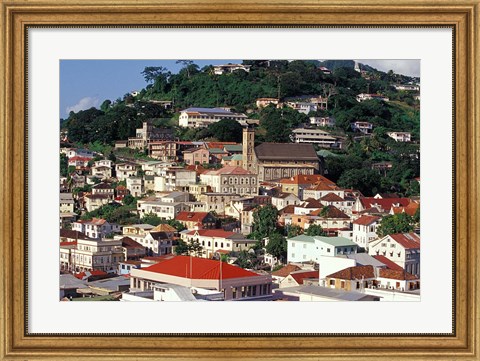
(163, 227)
(302, 275)
(323, 186)
(127, 242)
(329, 212)
(407, 240)
(332, 197)
(410, 209)
(230, 170)
(64, 244)
(199, 268)
(390, 264)
(354, 273)
(191, 216)
(219, 233)
(290, 209)
(396, 275)
(285, 271)
(386, 203)
(366, 220)
(94, 272)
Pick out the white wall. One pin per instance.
(329, 265)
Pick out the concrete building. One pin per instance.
(232, 180)
(203, 117)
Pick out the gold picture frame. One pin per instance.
(462, 16)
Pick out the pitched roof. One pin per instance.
(68, 233)
(396, 275)
(306, 179)
(219, 233)
(407, 240)
(299, 276)
(286, 270)
(390, 264)
(332, 197)
(385, 203)
(354, 273)
(199, 268)
(290, 209)
(410, 209)
(191, 216)
(329, 212)
(366, 220)
(164, 228)
(289, 151)
(127, 242)
(311, 203)
(229, 170)
(336, 241)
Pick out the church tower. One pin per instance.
(249, 161)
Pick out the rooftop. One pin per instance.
(289, 151)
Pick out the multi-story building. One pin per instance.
(362, 127)
(125, 170)
(401, 248)
(230, 68)
(322, 121)
(196, 156)
(96, 228)
(135, 186)
(162, 209)
(307, 249)
(264, 102)
(234, 283)
(164, 150)
(202, 117)
(365, 230)
(316, 136)
(232, 180)
(174, 179)
(91, 254)
(148, 133)
(105, 189)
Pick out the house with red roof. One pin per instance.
(231, 179)
(282, 200)
(384, 205)
(410, 209)
(78, 162)
(365, 230)
(298, 278)
(196, 220)
(193, 272)
(299, 183)
(213, 241)
(401, 248)
(358, 278)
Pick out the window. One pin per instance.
(293, 244)
(342, 284)
(328, 250)
(332, 282)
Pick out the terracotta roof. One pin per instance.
(366, 220)
(68, 233)
(354, 273)
(127, 242)
(65, 244)
(286, 270)
(390, 264)
(286, 151)
(306, 179)
(332, 197)
(94, 272)
(396, 275)
(311, 203)
(197, 168)
(410, 209)
(302, 275)
(164, 228)
(407, 240)
(78, 158)
(219, 233)
(386, 203)
(323, 186)
(329, 212)
(199, 268)
(97, 196)
(229, 170)
(191, 216)
(290, 209)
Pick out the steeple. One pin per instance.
(248, 161)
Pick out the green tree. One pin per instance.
(264, 222)
(247, 259)
(366, 181)
(181, 248)
(277, 246)
(397, 223)
(294, 231)
(226, 130)
(63, 165)
(152, 219)
(315, 230)
(129, 200)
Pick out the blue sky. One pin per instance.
(87, 83)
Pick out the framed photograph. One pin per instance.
(315, 111)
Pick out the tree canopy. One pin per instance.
(397, 223)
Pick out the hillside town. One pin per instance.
(185, 212)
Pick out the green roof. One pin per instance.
(233, 147)
(227, 157)
(216, 150)
(302, 238)
(237, 157)
(336, 241)
(326, 153)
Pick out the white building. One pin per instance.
(232, 180)
(365, 230)
(282, 200)
(161, 208)
(125, 170)
(307, 249)
(362, 97)
(203, 117)
(135, 186)
(322, 121)
(401, 248)
(95, 228)
(230, 68)
(400, 136)
(316, 136)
